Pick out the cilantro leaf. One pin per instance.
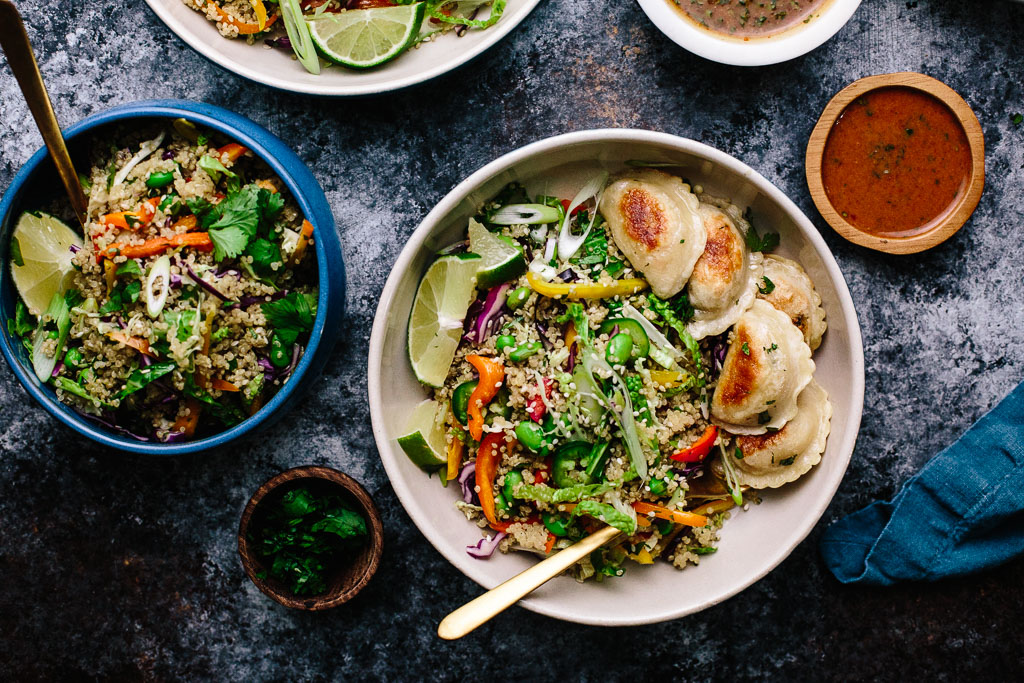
(16, 256)
(768, 287)
(342, 523)
(765, 242)
(129, 267)
(269, 204)
(228, 242)
(140, 377)
(575, 312)
(263, 253)
(290, 316)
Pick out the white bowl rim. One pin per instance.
(328, 89)
(476, 570)
(758, 52)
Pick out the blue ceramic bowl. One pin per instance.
(36, 179)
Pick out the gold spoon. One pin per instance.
(498, 599)
(15, 44)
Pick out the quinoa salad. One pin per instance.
(190, 300)
(632, 356)
(357, 34)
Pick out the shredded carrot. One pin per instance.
(267, 185)
(677, 516)
(300, 245)
(143, 216)
(158, 245)
(223, 385)
(550, 544)
(187, 424)
(138, 343)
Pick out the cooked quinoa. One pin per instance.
(194, 291)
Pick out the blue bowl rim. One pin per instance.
(232, 125)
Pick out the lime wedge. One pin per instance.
(364, 38)
(503, 261)
(424, 439)
(41, 259)
(435, 325)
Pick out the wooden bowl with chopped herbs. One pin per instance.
(311, 538)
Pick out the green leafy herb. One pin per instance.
(738, 454)
(140, 377)
(674, 314)
(72, 387)
(577, 314)
(264, 254)
(788, 461)
(227, 411)
(765, 242)
(129, 267)
(22, 324)
(289, 316)
(306, 537)
(745, 348)
(768, 287)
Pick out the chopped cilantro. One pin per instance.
(788, 461)
(746, 349)
(129, 267)
(768, 287)
(738, 454)
(264, 253)
(140, 377)
(290, 316)
(766, 242)
(22, 324)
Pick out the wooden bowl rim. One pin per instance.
(375, 528)
(968, 201)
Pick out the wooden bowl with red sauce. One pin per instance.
(896, 162)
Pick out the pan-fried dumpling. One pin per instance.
(654, 221)
(767, 366)
(776, 458)
(792, 292)
(724, 280)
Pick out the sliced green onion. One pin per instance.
(145, 149)
(298, 34)
(498, 6)
(732, 482)
(525, 214)
(590, 361)
(55, 317)
(159, 277)
(568, 243)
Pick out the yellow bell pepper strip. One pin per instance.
(487, 460)
(669, 378)
(699, 449)
(677, 516)
(641, 557)
(573, 290)
(570, 334)
(491, 372)
(714, 507)
(261, 13)
(455, 450)
(110, 275)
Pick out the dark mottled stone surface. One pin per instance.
(120, 567)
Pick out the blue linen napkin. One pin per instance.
(962, 513)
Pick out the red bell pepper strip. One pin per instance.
(535, 407)
(492, 372)
(565, 207)
(700, 448)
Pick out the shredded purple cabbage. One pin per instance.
(718, 350)
(471, 315)
(247, 301)
(57, 368)
(168, 154)
(468, 492)
(204, 284)
(111, 425)
(175, 280)
(567, 275)
(486, 546)
(282, 42)
(572, 356)
(174, 437)
(74, 248)
(491, 315)
(692, 469)
(542, 328)
(296, 354)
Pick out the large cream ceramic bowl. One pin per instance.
(276, 68)
(752, 542)
(754, 52)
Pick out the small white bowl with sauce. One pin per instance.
(750, 33)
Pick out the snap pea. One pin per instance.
(503, 342)
(664, 526)
(530, 436)
(524, 351)
(599, 456)
(658, 486)
(279, 356)
(512, 480)
(159, 179)
(500, 503)
(517, 297)
(460, 400)
(568, 466)
(619, 349)
(555, 524)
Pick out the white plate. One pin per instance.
(276, 68)
(753, 542)
(754, 52)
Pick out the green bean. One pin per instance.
(530, 436)
(159, 179)
(512, 480)
(503, 342)
(619, 349)
(517, 297)
(524, 351)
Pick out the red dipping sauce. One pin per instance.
(896, 162)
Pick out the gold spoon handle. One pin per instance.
(15, 43)
(498, 599)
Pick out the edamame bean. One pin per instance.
(512, 480)
(530, 436)
(159, 179)
(517, 297)
(524, 351)
(619, 349)
(73, 358)
(279, 356)
(503, 342)
(500, 503)
(556, 525)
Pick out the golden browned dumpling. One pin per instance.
(792, 292)
(654, 221)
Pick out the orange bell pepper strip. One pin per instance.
(223, 385)
(158, 245)
(130, 220)
(196, 240)
(699, 449)
(187, 424)
(677, 516)
(492, 372)
(302, 243)
(244, 27)
(138, 343)
(455, 450)
(549, 546)
(231, 152)
(487, 460)
(188, 222)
